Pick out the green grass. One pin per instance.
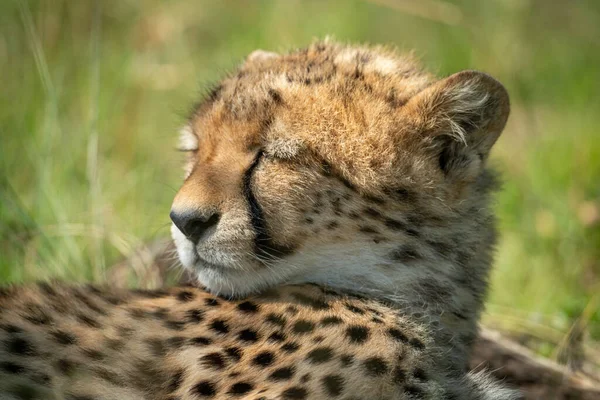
(94, 92)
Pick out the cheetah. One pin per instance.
(335, 216)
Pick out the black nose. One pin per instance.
(193, 224)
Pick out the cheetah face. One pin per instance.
(331, 165)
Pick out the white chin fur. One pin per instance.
(238, 277)
(227, 281)
(185, 248)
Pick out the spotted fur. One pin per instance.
(336, 210)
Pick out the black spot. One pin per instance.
(94, 354)
(20, 346)
(417, 343)
(316, 304)
(185, 296)
(399, 376)
(235, 353)
(138, 313)
(375, 366)
(47, 288)
(214, 92)
(357, 334)
(219, 326)
(109, 376)
(375, 199)
(65, 366)
(373, 213)
(37, 315)
(79, 397)
(292, 310)
(276, 337)
(240, 388)
(405, 254)
(420, 374)
(174, 325)
(290, 347)
(212, 302)
(275, 96)
(175, 342)
(404, 194)
(248, 307)
(88, 303)
(294, 393)
(442, 248)
(368, 229)
(205, 388)
(11, 329)
(318, 339)
(157, 347)
(400, 226)
(414, 391)
(276, 319)
(264, 359)
(41, 379)
(63, 337)
(459, 315)
(11, 367)
(331, 321)
(194, 316)
(305, 378)
(281, 374)
(176, 381)
(398, 335)
(159, 313)
(303, 326)
(354, 309)
(333, 384)
(91, 322)
(213, 360)
(347, 360)
(125, 331)
(332, 225)
(248, 335)
(320, 355)
(200, 341)
(354, 215)
(347, 183)
(114, 344)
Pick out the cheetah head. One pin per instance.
(338, 165)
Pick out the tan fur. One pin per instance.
(345, 167)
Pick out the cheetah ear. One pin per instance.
(463, 115)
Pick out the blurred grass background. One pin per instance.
(93, 94)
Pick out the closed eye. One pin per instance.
(188, 141)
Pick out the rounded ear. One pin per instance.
(464, 114)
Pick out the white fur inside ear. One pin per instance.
(261, 55)
(467, 102)
(187, 140)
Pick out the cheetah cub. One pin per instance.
(335, 210)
